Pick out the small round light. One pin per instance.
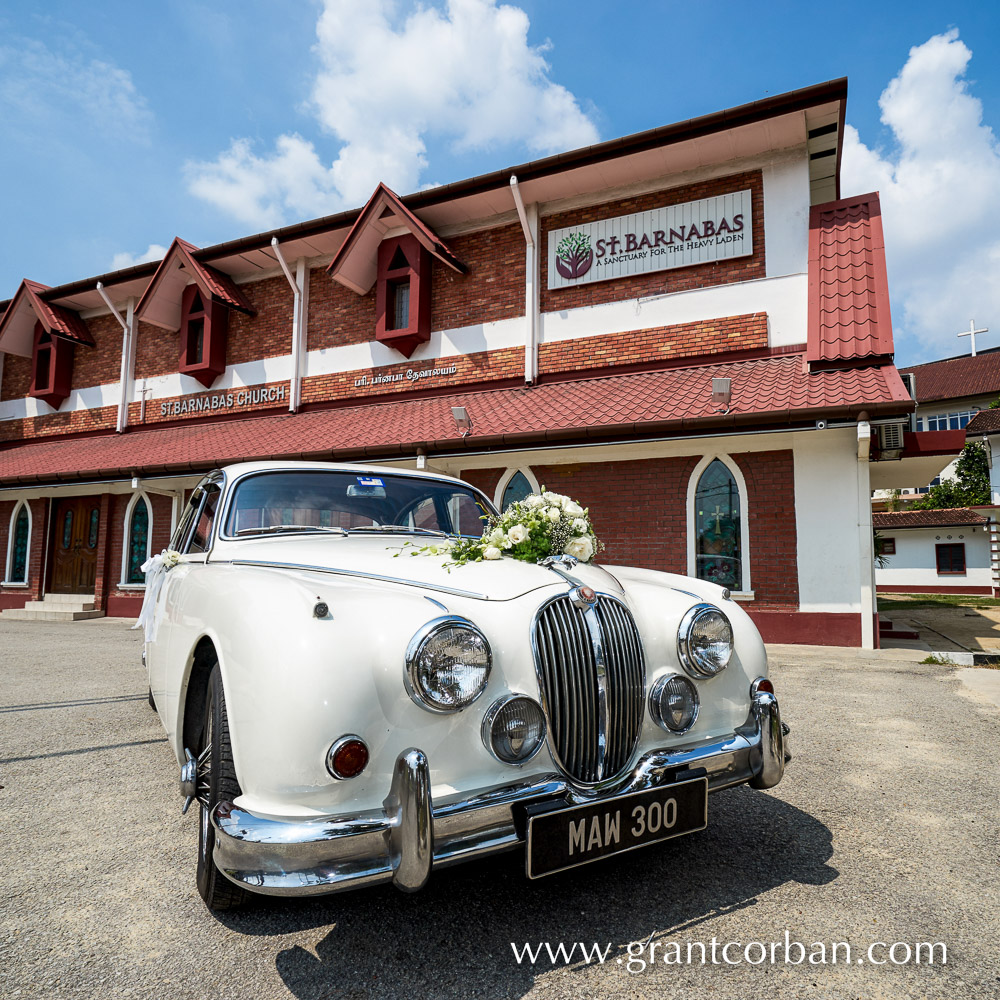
(514, 729)
(704, 641)
(673, 703)
(447, 664)
(761, 684)
(348, 757)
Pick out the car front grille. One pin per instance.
(591, 677)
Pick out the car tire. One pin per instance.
(217, 782)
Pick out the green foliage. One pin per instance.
(969, 488)
(573, 246)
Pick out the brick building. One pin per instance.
(684, 329)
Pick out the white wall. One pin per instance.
(915, 561)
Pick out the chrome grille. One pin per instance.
(591, 678)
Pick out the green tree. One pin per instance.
(969, 488)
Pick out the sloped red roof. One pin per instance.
(772, 390)
(984, 422)
(354, 264)
(953, 517)
(953, 378)
(17, 324)
(848, 289)
(167, 284)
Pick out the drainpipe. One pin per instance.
(128, 355)
(866, 558)
(300, 312)
(529, 223)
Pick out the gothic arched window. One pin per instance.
(718, 530)
(17, 547)
(137, 534)
(517, 489)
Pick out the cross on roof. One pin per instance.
(971, 333)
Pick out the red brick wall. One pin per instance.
(770, 480)
(15, 597)
(338, 316)
(155, 414)
(16, 377)
(658, 282)
(269, 333)
(68, 422)
(639, 511)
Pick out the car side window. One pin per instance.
(202, 534)
(187, 519)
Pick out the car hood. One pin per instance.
(389, 558)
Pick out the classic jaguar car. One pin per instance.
(349, 707)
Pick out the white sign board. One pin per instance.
(696, 232)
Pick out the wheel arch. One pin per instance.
(203, 658)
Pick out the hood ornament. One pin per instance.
(581, 595)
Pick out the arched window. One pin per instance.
(717, 525)
(138, 530)
(515, 484)
(18, 542)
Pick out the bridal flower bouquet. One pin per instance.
(540, 525)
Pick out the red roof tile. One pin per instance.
(848, 290)
(953, 517)
(167, 284)
(18, 322)
(354, 264)
(984, 422)
(954, 378)
(772, 390)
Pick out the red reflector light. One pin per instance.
(348, 757)
(765, 685)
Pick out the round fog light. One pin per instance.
(514, 729)
(348, 757)
(673, 703)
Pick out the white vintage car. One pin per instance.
(348, 711)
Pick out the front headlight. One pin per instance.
(447, 664)
(704, 641)
(514, 729)
(673, 703)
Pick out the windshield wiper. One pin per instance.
(276, 528)
(389, 528)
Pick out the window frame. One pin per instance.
(51, 385)
(214, 317)
(504, 481)
(964, 571)
(7, 582)
(417, 276)
(123, 583)
(741, 488)
(889, 546)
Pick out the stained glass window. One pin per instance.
(517, 489)
(718, 553)
(138, 542)
(95, 517)
(67, 529)
(18, 571)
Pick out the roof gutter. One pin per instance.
(532, 309)
(300, 318)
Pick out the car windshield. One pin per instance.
(312, 501)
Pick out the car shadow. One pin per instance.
(460, 928)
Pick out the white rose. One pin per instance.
(572, 508)
(533, 500)
(554, 498)
(491, 552)
(496, 537)
(517, 534)
(580, 525)
(554, 514)
(580, 548)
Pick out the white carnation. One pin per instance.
(491, 552)
(518, 533)
(533, 500)
(580, 525)
(580, 548)
(554, 514)
(572, 508)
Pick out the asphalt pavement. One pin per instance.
(883, 831)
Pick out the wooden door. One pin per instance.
(75, 531)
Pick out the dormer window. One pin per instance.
(204, 323)
(403, 294)
(51, 367)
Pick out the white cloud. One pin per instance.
(940, 195)
(126, 259)
(465, 75)
(63, 89)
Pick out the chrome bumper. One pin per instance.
(400, 842)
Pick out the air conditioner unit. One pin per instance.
(890, 441)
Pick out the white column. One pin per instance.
(866, 548)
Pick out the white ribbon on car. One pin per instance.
(155, 569)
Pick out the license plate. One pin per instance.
(565, 838)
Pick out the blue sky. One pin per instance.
(126, 124)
